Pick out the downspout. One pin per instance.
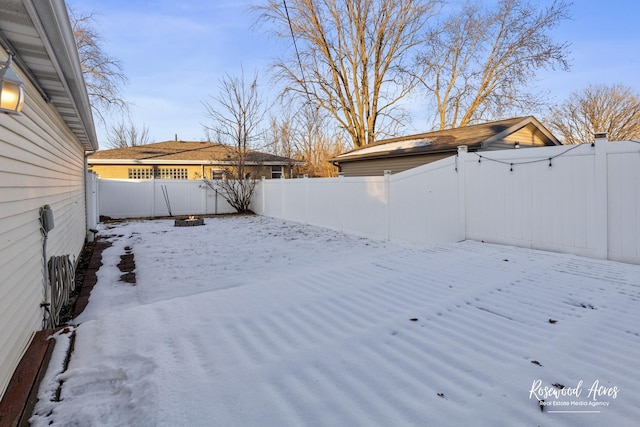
(90, 233)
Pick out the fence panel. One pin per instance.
(173, 197)
(325, 207)
(354, 205)
(156, 197)
(126, 198)
(424, 203)
(214, 203)
(364, 203)
(624, 202)
(271, 192)
(294, 207)
(540, 198)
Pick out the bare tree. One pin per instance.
(316, 143)
(306, 136)
(280, 138)
(349, 57)
(614, 109)
(236, 114)
(123, 135)
(103, 74)
(481, 61)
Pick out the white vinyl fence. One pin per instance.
(581, 199)
(127, 198)
(576, 199)
(394, 207)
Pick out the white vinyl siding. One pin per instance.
(41, 162)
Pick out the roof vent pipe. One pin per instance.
(176, 136)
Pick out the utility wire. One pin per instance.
(295, 46)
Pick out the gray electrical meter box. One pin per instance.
(46, 218)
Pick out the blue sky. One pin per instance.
(175, 53)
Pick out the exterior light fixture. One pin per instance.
(11, 89)
(516, 145)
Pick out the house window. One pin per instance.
(172, 173)
(276, 171)
(217, 173)
(140, 173)
(160, 173)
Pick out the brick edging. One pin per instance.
(21, 395)
(90, 278)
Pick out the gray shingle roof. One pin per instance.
(186, 151)
(444, 140)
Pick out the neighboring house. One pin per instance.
(185, 160)
(400, 154)
(42, 162)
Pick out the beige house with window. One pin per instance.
(185, 160)
(400, 154)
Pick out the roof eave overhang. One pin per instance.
(512, 129)
(53, 19)
(283, 163)
(387, 155)
(44, 48)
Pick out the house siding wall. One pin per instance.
(113, 171)
(122, 171)
(376, 167)
(529, 136)
(41, 162)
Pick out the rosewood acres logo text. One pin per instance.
(559, 398)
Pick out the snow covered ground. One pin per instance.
(251, 321)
